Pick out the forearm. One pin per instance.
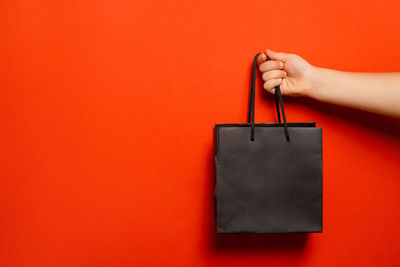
(374, 92)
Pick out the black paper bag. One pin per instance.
(268, 175)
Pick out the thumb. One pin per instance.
(261, 58)
(277, 56)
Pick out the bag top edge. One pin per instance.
(289, 124)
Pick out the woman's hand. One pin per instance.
(291, 72)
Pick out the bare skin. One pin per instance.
(373, 92)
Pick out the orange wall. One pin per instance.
(107, 111)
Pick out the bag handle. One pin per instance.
(278, 98)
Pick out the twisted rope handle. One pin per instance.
(278, 98)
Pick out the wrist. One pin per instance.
(314, 82)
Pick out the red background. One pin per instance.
(107, 111)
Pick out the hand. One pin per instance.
(291, 72)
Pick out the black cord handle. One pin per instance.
(278, 98)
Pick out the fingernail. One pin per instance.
(284, 74)
(281, 64)
(280, 79)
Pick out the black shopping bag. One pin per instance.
(268, 175)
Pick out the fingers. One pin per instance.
(261, 58)
(273, 74)
(271, 65)
(271, 84)
(276, 55)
